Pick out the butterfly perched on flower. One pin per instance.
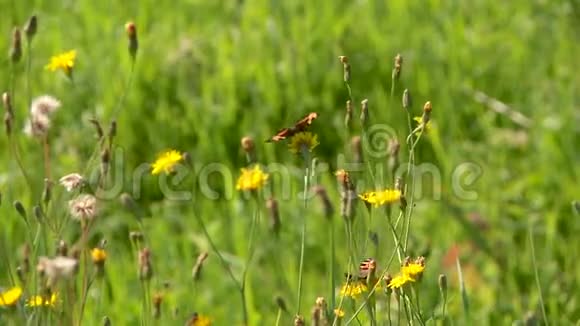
(299, 126)
(365, 268)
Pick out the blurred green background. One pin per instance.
(210, 72)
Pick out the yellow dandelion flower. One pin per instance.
(198, 320)
(353, 289)
(64, 61)
(419, 120)
(399, 281)
(252, 179)
(38, 301)
(379, 198)
(98, 255)
(303, 141)
(413, 270)
(339, 312)
(166, 162)
(10, 297)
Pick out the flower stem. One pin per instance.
(302, 240)
(536, 274)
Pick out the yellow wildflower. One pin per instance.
(413, 270)
(198, 320)
(37, 301)
(303, 141)
(353, 289)
(252, 179)
(379, 198)
(166, 162)
(99, 256)
(10, 297)
(64, 61)
(400, 280)
(419, 120)
(339, 312)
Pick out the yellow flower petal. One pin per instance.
(166, 162)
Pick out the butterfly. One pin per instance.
(365, 267)
(299, 126)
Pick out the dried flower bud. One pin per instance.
(7, 102)
(16, 47)
(280, 303)
(62, 248)
(112, 130)
(443, 285)
(31, 27)
(105, 160)
(393, 156)
(9, 114)
(345, 68)
(20, 209)
(299, 321)
(21, 274)
(98, 127)
(427, 107)
(407, 101)
(131, 31)
(272, 206)
(145, 267)
(38, 213)
(357, 149)
(135, 236)
(249, 148)
(397, 67)
(388, 278)
(326, 204)
(47, 191)
(157, 300)
(348, 115)
(196, 272)
(364, 112)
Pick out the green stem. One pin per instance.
(302, 240)
(536, 274)
(332, 276)
(278, 317)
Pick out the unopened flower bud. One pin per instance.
(364, 112)
(98, 128)
(299, 321)
(16, 47)
(326, 204)
(31, 27)
(157, 300)
(249, 148)
(407, 101)
(20, 209)
(345, 68)
(357, 150)
(397, 67)
(348, 115)
(145, 266)
(443, 285)
(47, 191)
(273, 211)
(131, 31)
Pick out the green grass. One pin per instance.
(210, 72)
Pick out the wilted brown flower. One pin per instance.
(83, 208)
(71, 181)
(40, 110)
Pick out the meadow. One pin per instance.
(215, 173)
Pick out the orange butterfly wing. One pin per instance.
(300, 125)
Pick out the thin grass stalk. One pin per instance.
(536, 274)
(278, 316)
(303, 239)
(332, 254)
(248, 261)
